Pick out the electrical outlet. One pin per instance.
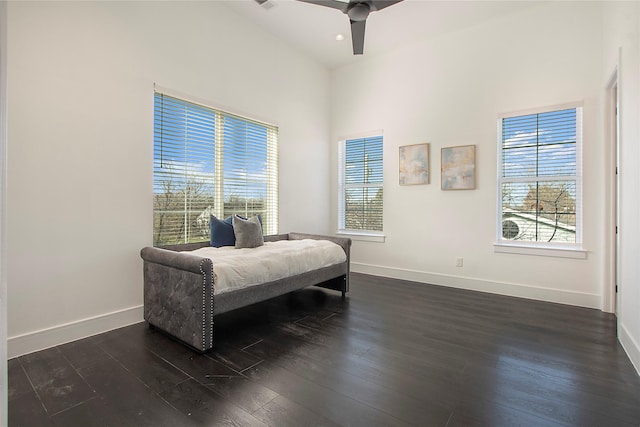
(459, 262)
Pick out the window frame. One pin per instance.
(357, 234)
(216, 184)
(553, 249)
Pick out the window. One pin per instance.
(540, 182)
(360, 185)
(209, 162)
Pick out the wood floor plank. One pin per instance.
(26, 410)
(248, 395)
(202, 367)
(234, 358)
(206, 408)
(482, 413)
(83, 352)
(128, 396)
(19, 384)
(56, 382)
(158, 374)
(283, 412)
(94, 412)
(341, 409)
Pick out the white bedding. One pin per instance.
(239, 268)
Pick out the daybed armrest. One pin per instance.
(344, 242)
(179, 260)
(276, 237)
(178, 295)
(180, 247)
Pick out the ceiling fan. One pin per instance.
(357, 11)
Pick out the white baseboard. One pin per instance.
(630, 346)
(39, 340)
(522, 291)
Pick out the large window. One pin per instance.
(540, 182)
(209, 162)
(360, 181)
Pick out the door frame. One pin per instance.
(612, 191)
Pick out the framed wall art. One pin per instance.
(414, 164)
(458, 168)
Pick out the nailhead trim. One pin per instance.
(204, 307)
(211, 303)
(204, 313)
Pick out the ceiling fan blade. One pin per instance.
(357, 36)
(329, 3)
(381, 4)
(266, 4)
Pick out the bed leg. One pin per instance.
(343, 295)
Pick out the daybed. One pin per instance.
(180, 294)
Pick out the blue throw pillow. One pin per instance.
(221, 232)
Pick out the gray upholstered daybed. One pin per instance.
(179, 288)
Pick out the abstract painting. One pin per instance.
(459, 168)
(414, 164)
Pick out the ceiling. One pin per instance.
(312, 29)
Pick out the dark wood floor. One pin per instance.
(393, 354)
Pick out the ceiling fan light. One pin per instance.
(358, 11)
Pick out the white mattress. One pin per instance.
(239, 268)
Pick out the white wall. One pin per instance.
(622, 53)
(449, 91)
(80, 145)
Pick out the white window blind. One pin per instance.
(360, 205)
(540, 177)
(209, 162)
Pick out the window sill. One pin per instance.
(538, 250)
(362, 236)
